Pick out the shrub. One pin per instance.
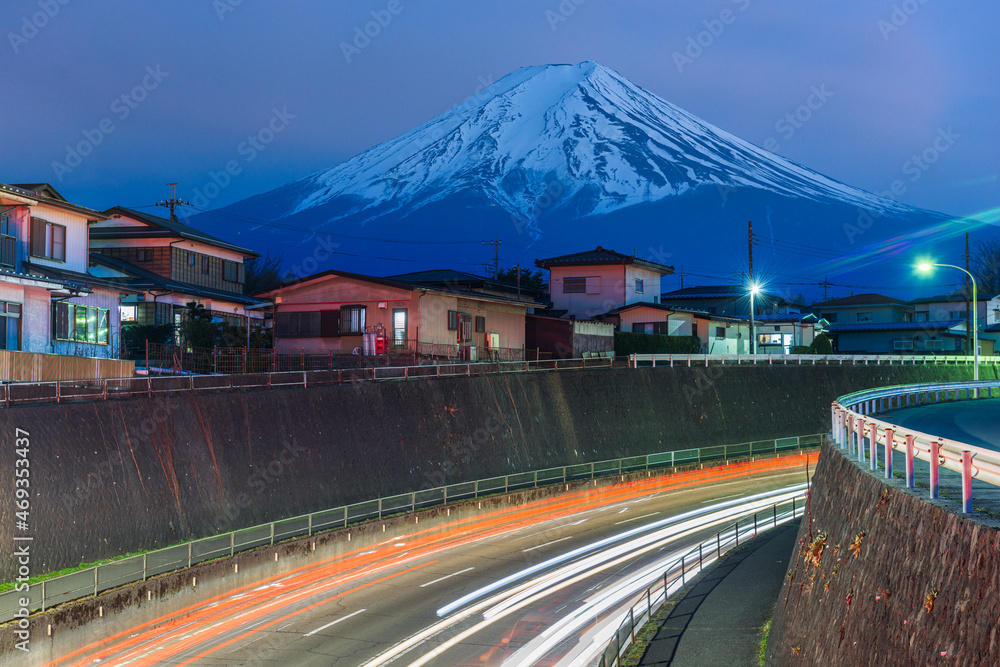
(821, 345)
(627, 343)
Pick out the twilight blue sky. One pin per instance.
(199, 77)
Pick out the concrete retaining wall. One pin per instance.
(881, 576)
(113, 477)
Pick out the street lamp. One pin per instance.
(754, 289)
(926, 266)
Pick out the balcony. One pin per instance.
(8, 251)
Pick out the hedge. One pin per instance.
(627, 343)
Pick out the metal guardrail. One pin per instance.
(94, 580)
(676, 575)
(856, 430)
(68, 390)
(803, 359)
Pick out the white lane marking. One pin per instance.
(447, 576)
(713, 500)
(240, 648)
(636, 518)
(342, 618)
(561, 539)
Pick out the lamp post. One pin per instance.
(754, 288)
(975, 313)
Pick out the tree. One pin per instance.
(262, 273)
(821, 345)
(984, 264)
(198, 329)
(529, 279)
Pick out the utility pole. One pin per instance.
(753, 288)
(682, 277)
(518, 282)
(496, 255)
(972, 336)
(826, 286)
(173, 201)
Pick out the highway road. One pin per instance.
(540, 583)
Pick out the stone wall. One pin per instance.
(113, 477)
(882, 576)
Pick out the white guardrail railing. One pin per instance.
(655, 360)
(45, 593)
(857, 431)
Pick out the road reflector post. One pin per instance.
(909, 462)
(935, 454)
(872, 445)
(889, 435)
(861, 440)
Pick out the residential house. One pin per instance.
(718, 334)
(779, 333)
(451, 279)
(861, 308)
(941, 337)
(48, 300)
(955, 307)
(168, 265)
(588, 284)
(728, 300)
(547, 337)
(331, 310)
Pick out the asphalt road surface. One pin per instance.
(537, 584)
(972, 422)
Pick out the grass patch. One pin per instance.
(9, 585)
(762, 646)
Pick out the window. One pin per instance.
(864, 317)
(574, 285)
(233, 271)
(399, 327)
(466, 327)
(206, 264)
(480, 324)
(452, 320)
(638, 327)
(921, 317)
(656, 299)
(694, 329)
(144, 255)
(190, 259)
(126, 313)
(720, 332)
(48, 240)
(829, 317)
(10, 326)
(902, 345)
(638, 286)
(352, 320)
(297, 325)
(6, 223)
(82, 324)
(933, 344)
(956, 315)
(907, 317)
(660, 328)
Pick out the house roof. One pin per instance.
(389, 282)
(862, 300)
(45, 193)
(703, 314)
(601, 256)
(954, 298)
(717, 292)
(141, 280)
(158, 227)
(896, 326)
(787, 317)
(460, 279)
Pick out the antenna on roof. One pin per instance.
(173, 201)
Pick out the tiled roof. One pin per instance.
(718, 292)
(453, 278)
(953, 298)
(174, 227)
(787, 317)
(601, 256)
(45, 193)
(862, 300)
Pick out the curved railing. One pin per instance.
(856, 430)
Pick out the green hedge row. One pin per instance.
(627, 343)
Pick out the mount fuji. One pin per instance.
(557, 159)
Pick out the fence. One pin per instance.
(855, 433)
(677, 573)
(92, 581)
(16, 366)
(654, 360)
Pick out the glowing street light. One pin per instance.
(754, 290)
(925, 267)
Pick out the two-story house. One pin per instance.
(170, 264)
(48, 300)
(586, 285)
(729, 300)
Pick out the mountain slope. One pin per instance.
(546, 157)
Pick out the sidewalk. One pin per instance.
(718, 621)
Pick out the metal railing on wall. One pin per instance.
(682, 570)
(859, 433)
(658, 360)
(95, 580)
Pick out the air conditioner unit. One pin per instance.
(383, 304)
